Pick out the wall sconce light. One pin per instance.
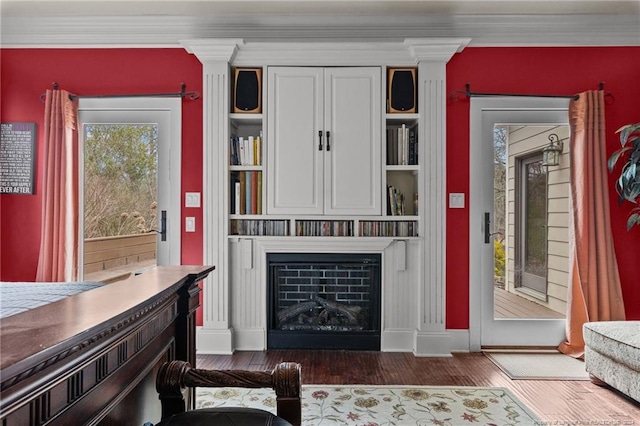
(551, 153)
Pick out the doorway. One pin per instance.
(519, 208)
(130, 199)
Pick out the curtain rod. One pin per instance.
(469, 94)
(182, 94)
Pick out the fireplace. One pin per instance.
(323, 301)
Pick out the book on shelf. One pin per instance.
(412, 146)
(278, 227)
(396, 206)
(233, 154)
(324, 228)
(257, 150)
(259, 193)
(246, 192)
(402, 145)
(406, 228)
(243, 193)
(240, 143)
(246, 150)
(254, 193)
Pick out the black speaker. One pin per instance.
(402, 90)
(247, 90)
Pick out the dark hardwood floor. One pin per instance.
(556, 402)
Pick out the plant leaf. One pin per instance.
(615, 156)
(634, 219)
(626, 131)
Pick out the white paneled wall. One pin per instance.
(248, 295)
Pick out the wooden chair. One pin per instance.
(176, 376)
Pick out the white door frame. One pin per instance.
(483, 328)
(167, 113)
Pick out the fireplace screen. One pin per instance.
(320, 300)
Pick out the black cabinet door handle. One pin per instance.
(319, 140)
(328, 142)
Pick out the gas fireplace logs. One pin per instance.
(320, 311)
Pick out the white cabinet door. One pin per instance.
(352, 114)
(323, 136)
(294, 161)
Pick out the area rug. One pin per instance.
(539, 366)
(386, 405)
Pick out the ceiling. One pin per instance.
(105, 23)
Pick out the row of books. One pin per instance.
(402, 145)
(397, 205)
(246, 151)
(246, 192)
(324, 228)
(389, 229)
(259, 227)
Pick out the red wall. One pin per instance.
(27, 73)
(538, 70)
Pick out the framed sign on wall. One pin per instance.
(17, 158)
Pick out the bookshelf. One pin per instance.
(324, 228)
(246, 175)
(248, 170)
(402, 174)
(388, 228)
(259, 227)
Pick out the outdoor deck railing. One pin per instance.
(119, 254)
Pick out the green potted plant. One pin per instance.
(628, 183)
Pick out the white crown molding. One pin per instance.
(410, 51)
(216, 50)
(168, 31)
(435, 49)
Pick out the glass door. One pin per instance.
(131, 193)
(519, 257)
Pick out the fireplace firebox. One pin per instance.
(323, 301)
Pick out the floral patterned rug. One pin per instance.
(386, 405)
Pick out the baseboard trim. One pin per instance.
(397, 340)
(432, 344)
(460, 340)
(214, 341)
(250, 339)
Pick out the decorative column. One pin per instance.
(215, 335)
(432, 55)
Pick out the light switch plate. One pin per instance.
(456, 200)
(192, 199)
(190, 224)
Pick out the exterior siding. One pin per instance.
(524, 141)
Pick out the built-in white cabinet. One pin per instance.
(324, 141)
(332, 172)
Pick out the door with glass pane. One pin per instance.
(518, 221)
(130, 153)
(531, 224)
